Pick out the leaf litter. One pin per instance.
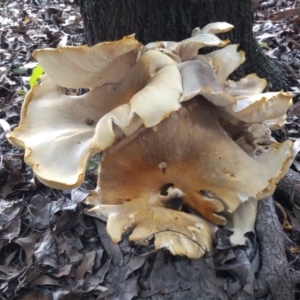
(51, 250)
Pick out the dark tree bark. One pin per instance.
(154, 20)
(288, 188)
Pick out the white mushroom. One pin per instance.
(207, 75)
(89, 67)
(188, 48)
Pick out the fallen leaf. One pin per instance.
(37, 72)
(34, 296)
(86, 265)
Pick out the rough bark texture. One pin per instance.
(274, 275)
(154, 20)
(288, 188)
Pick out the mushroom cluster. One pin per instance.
(174, 132)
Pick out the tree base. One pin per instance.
(274, 276)
(278, 76)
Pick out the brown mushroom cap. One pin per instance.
(200, 159)
(180, 233)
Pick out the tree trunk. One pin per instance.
(154, 20)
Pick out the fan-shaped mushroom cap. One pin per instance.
(188, 48)
(155, 102)
(180, 233)
(63, 129)
(199, 158)
(56, 130)
(225, 61)
(89, 67)
(206, 75)
(252, 108)
(214, 28)
(251, 84)
(199, 78)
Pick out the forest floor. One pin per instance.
(50, 250)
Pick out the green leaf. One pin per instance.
(37, 72)
(21, 92)
(21, 70)
(263, 45)
(92, 166)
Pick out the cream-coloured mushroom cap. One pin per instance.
(180, 233)
(158, 98)
(188, 48)
(277, 123)
(252, 108)
(89, 67)
(59, 132)
(207, 75)
(199, 78)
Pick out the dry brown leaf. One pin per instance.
(34, 296)
(28, 244)
(285, 13)
(64, 270)
(45, 280)
(86, 265)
